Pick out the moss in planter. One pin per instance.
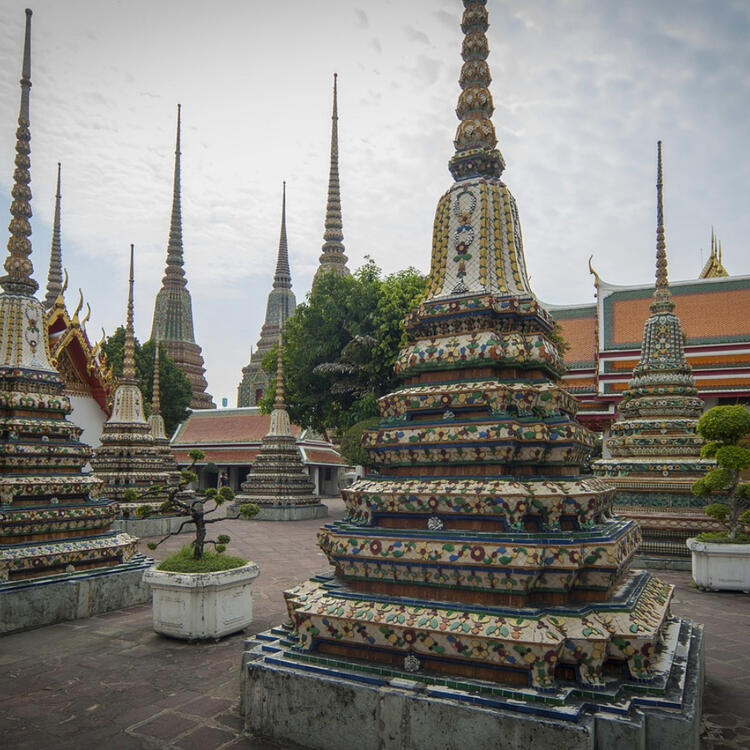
(211, 562)
(722, 537)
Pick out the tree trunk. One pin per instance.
(200, 533)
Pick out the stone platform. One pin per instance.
(130, 688)
(286, 695)
(36, 602)
(153, 526)
(291, 512)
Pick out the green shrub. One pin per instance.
(211, 562)
(725, 428)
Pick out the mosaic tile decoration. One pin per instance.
(478, 495)
(654, 438)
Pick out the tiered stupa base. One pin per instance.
(287, 691)
(656, 494)
(35, 602)
(279, 485)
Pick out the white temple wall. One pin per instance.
(88, 415)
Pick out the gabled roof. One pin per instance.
(73, 354)
(224, 426)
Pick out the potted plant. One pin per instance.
(721, 560)
(199, 592)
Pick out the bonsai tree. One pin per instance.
(181, 501)
(725, 429)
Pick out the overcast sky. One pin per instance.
(582, 90)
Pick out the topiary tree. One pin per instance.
(724, 428)
(182, 502)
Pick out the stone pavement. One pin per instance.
(111, 682)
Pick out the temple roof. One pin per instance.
(234, 436)
(714, 267)
(242, 425)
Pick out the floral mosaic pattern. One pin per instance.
(587, 500)
(534, 644)
(609, 549)
(532, 350)
(544, 399)
(25, 559)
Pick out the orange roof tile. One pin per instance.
(703, 316)
(324, 456)
(580, 334)
(220, 426)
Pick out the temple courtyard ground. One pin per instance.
(111, 682)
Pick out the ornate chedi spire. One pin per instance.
(128, 361)
(654, 446)
(55, 274)
(18, 263)
(173, 311)
(128, 457)
(49, 525)
(279, 307)
(156, 421)
(278, 482)
(333, 258)
(478, 552)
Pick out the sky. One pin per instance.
(583, 89)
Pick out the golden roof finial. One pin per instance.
(714, 268)
(74, 320)
(597, 280)
(86, 317)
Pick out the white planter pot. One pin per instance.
(202, 605)
(720, 567)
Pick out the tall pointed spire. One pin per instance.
(128, 365)
(476, 155)
(278, 482)
(175, 271)
(281, 304)
(155, 394)
(156, 421)
(333, 258)
(662, 296)
(279, 402)
(173, 311)
(283, 277)
(55, 275)
(18, 263)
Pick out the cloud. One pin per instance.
(362, 20)
(415, 35)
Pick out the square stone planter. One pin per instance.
(720, 567)
(202, 605)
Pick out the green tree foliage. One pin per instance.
(174, 387)
(341, 344)
(726, 430)
(351, 443)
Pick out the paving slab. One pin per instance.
(109, 681)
